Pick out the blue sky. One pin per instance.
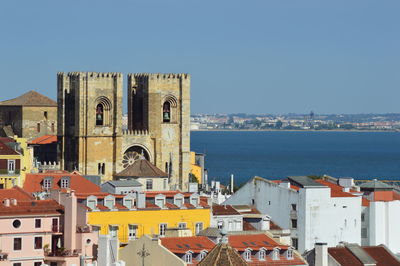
(244, 56)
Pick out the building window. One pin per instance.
(64, 182)
(295, 243)
(17, 243)
(17, 264)
(47, 183)
(294, 223)
(294, 207)
(132, 233)
(275, 254)
(38, 223)
(364, 233)
(165, 184)
(182, 225)
(162, 229)
(247, 255)
(261, 254)
(52, 127)
(362, 217)
(194, 201)
(203, 254)
(45, 115)
(188, 257)
(113, 230)
(166, 112)
(160, 203)
(178, 202)
(149, 184)
(289, 254)
(11, 166)
(38, 242)
(38, 127)
(230, 226)
(99, 115)
(220, 225)
(37, 263)
(16, 223)
(199, 227)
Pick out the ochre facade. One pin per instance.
(91, 138)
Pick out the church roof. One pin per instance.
(141, 168)
(223, 254)
(31, 98)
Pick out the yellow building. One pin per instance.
(134, 215)
(15, 161)
(196, 169)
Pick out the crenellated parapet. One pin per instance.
(159, 76)
(90, 74)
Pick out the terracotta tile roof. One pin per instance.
(31, 98)
(336, 190)
(141, 168)
(274, 226)
(168, 194)
(15, 193)
(224, 210)
(255, 242)
(344, 256)
(26, 205)
(223, 254)
(33, 183)
(46, 139)
(378, 253)
(381, 255)
(283, 261)
(181, 245)
(6, 139)
(364, 202)
(248, 227)
(5, 150)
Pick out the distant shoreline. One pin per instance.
(294, 130)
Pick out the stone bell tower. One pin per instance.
(160, 105)
(90, 122)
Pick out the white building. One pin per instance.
(380, 216)
(314, 210)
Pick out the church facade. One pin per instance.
(90, 134)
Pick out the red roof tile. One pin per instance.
(336, 190)
(5, 150)
(381, 256)
(15, 193)
(46, 139)
(344, 256)
(255, 242)
(224, 210)
(181, 245)
(248, 227)
(274, 226)
(33, 183)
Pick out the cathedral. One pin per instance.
(92, 140)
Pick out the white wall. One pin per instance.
(226, 219)
(384, 218)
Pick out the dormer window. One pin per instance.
(247, 255)
(47, 182)
(188, 257)
(109, 202)
(178, 200)
(128, 202)
(275, 254)
(91, 202)
(203, 254)
(194, 200)
(289, 254)
(64, 183)
(261, 254)
(160, 200)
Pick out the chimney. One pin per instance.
(321, 254)
(13, 202)
(6, 202)
(231, 186)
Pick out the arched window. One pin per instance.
(289, 254)
(103, 111)
(188, 257)
(247, 255)
(166, 112)
(99, 115)
(203, 254)
(261, 254)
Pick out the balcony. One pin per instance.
(61, 252)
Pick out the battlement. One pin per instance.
(129, 132)
(159, 76)
(90, 74)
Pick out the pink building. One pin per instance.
(28, 227)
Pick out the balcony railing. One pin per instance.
(60, 252)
